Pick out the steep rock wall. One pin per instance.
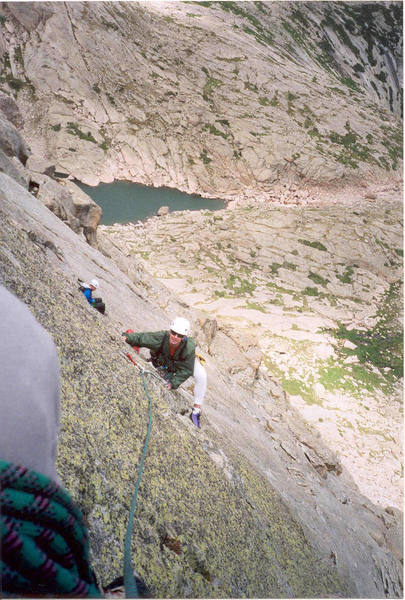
(221, 99)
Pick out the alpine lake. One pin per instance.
(127, 202)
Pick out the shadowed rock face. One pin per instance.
(12, 144)
(10, 110)
(212, 98)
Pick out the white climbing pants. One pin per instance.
(200, 382)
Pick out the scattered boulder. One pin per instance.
(86, 211)
(67, 201)
(163, 211)
(208, 329)
(38, 164)
(59, 200)
(242, 365)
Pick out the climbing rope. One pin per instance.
(131, 588)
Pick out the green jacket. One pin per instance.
(180, 366)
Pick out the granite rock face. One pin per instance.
(226, 99)
(255, 504)
(62, 197)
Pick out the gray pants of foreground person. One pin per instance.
(29, 389)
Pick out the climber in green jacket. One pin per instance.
(173, 352)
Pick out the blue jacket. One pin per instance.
(87, 292)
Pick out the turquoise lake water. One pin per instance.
(126, 202)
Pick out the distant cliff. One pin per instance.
(217, 98)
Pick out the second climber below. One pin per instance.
(173, 352)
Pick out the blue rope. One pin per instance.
(131, 589)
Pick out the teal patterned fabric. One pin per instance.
(44, 541)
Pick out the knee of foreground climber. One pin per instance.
(29, 389)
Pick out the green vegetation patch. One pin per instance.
(255, 306)
(352, 379)
(291, 97)
(15, 83)
(353, 150)
(263, 36)
(379, 349)
(214, 131)
(239, 286)
(294, 387)
(210, 85)
(337, 90)
(73, 129)
(285, 265)
(105, 145)
(316, 278)
(205, 158)
(347, 275)
(310, 291)
(317, 245)
(274, 101)
(381, 346)
(348, 81)
(331, 377)
(393, 142)
(18, 55)
(289, 266)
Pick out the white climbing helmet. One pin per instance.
(94, 283)
(180, 325)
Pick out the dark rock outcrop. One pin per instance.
(10, 110)
(57, 199)
(65, 199)
(11, 141)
